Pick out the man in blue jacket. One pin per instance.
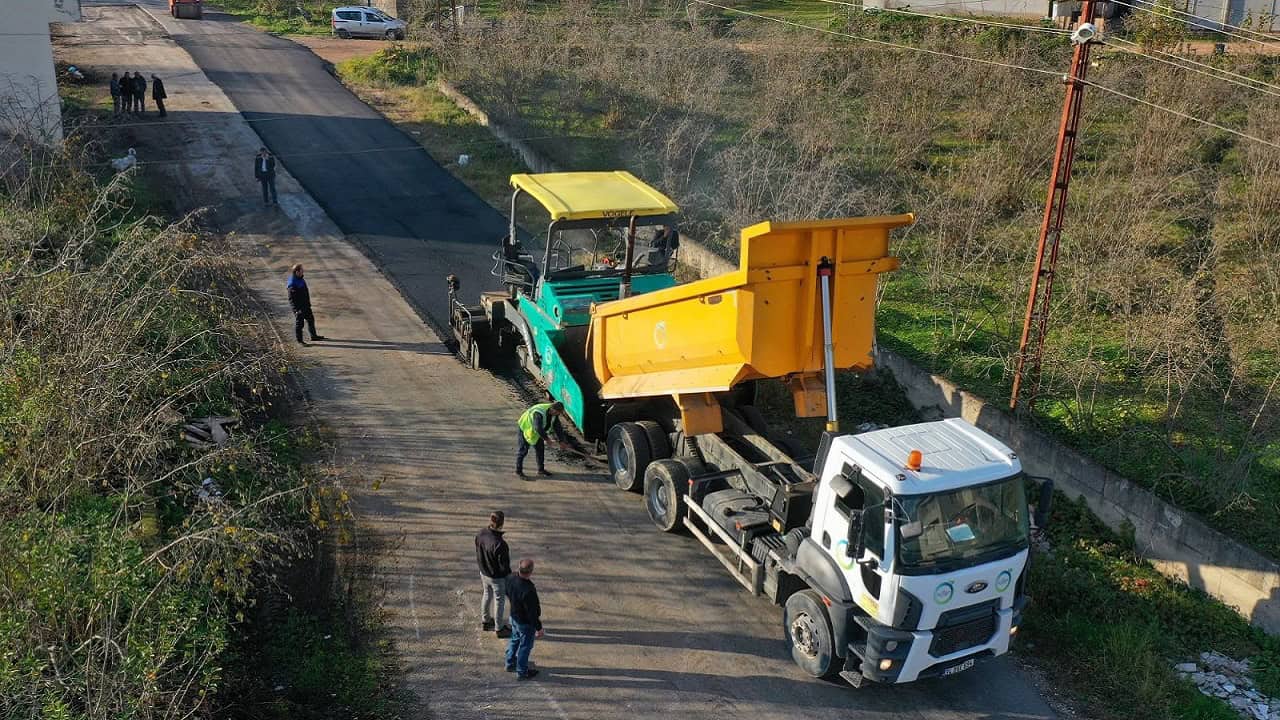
(300, 301)
(526, 620)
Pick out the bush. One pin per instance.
(395, 65)
(120, 583)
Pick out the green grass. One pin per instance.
(1110, 625)
(282, 17)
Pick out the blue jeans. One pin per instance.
(522, 450)
(519, 646)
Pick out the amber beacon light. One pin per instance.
(915, 460)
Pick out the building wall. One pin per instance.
(29, 103)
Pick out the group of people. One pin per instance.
(499, 586)
(129, 93)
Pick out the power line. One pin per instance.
(1185, 59)
(984, 61)
(1180, 66)
(1271, 39)
(1182, 115)
(1030, 28)
(876, 41)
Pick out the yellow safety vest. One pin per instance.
(526, 422)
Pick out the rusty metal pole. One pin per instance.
(1035, 324)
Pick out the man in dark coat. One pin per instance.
(158, 94)
(115, 93)
(139, 93)
(526, 620)
(264, 169)
(300, 301)
(494, 558)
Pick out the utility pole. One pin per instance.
(1035, 325)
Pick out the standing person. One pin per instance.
(158, 94)
(126, 93)
(115, 93)
(300, 301)
(264, 168)
(139, 93)
(534, 425)
(494, 558)
(526, 620)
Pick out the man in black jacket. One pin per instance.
(158, 94)
(264, 169)
(139, 93)
(494, 558)
(526, 620)
(300, 301)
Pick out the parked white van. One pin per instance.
(356, 21)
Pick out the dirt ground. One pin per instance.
(335, 49)
(639, 624)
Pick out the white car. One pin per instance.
(356, 21)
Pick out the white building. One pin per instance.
(29, 102)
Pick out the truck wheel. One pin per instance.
(659, 443)
(755, 419)
(628, 446)
(809, 635)
(345, 35)
(665, 482)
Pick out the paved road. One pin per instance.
(640, 624)
(416, 221)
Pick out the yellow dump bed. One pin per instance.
(763, 320)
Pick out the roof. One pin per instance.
(592, 195)
(956, 454)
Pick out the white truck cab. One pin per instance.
(929, 525)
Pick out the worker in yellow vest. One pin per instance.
(535, 424)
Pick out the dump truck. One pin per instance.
(896, 554)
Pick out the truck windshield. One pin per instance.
(962, 527)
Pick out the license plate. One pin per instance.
(959, 668)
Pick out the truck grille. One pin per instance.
(964, 629)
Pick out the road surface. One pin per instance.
(640, 624)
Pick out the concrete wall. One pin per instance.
(1177, 543)
(29, 103)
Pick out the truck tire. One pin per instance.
(755, 419)
(628, 447)
(808, 634)
(343, 34)
(659, 443)
(665, 483)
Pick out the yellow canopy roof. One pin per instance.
(592, 195)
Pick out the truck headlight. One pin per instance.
(891, 645)
(1013, 630)
(885, 665)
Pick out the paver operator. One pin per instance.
(534, 425)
